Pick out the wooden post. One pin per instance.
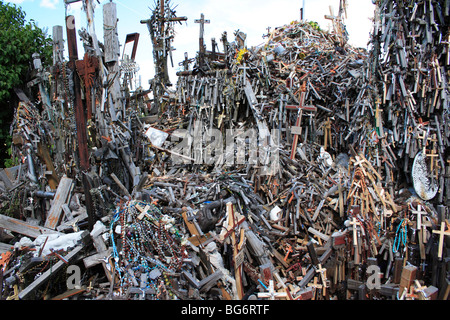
(80, 118)
(112, 49)
(62, 196)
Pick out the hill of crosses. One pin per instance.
(299, 169)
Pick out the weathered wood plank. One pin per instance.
(62, 194)
(22, 227)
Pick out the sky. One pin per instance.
(249, 16)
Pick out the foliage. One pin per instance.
(19, 39)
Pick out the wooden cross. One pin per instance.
(442, 232)
(272, 294)
(354, 223)
(87, 68)
(315, 286)
(202, 22)
(433, 155)
(233, 223)
(323, 276)
(297, 129)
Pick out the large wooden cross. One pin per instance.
(201, 44)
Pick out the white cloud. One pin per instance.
(51, 4)
(16, 1)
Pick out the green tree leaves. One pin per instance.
(19, 39)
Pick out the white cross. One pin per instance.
(354, 224)
(419, 213)
(272, 294)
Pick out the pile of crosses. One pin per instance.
(302, 168)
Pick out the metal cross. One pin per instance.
(272, 294)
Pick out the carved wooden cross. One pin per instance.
(442, 232)
(87, 68)
(233, 223)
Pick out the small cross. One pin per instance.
(288, 251)
(323, 276)
(442, 232)
(272, 294)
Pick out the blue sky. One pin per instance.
(250, 16)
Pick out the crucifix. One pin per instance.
(272, 294)
(419, 214)
(442, 232)
(186, 62)
(201, 44)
